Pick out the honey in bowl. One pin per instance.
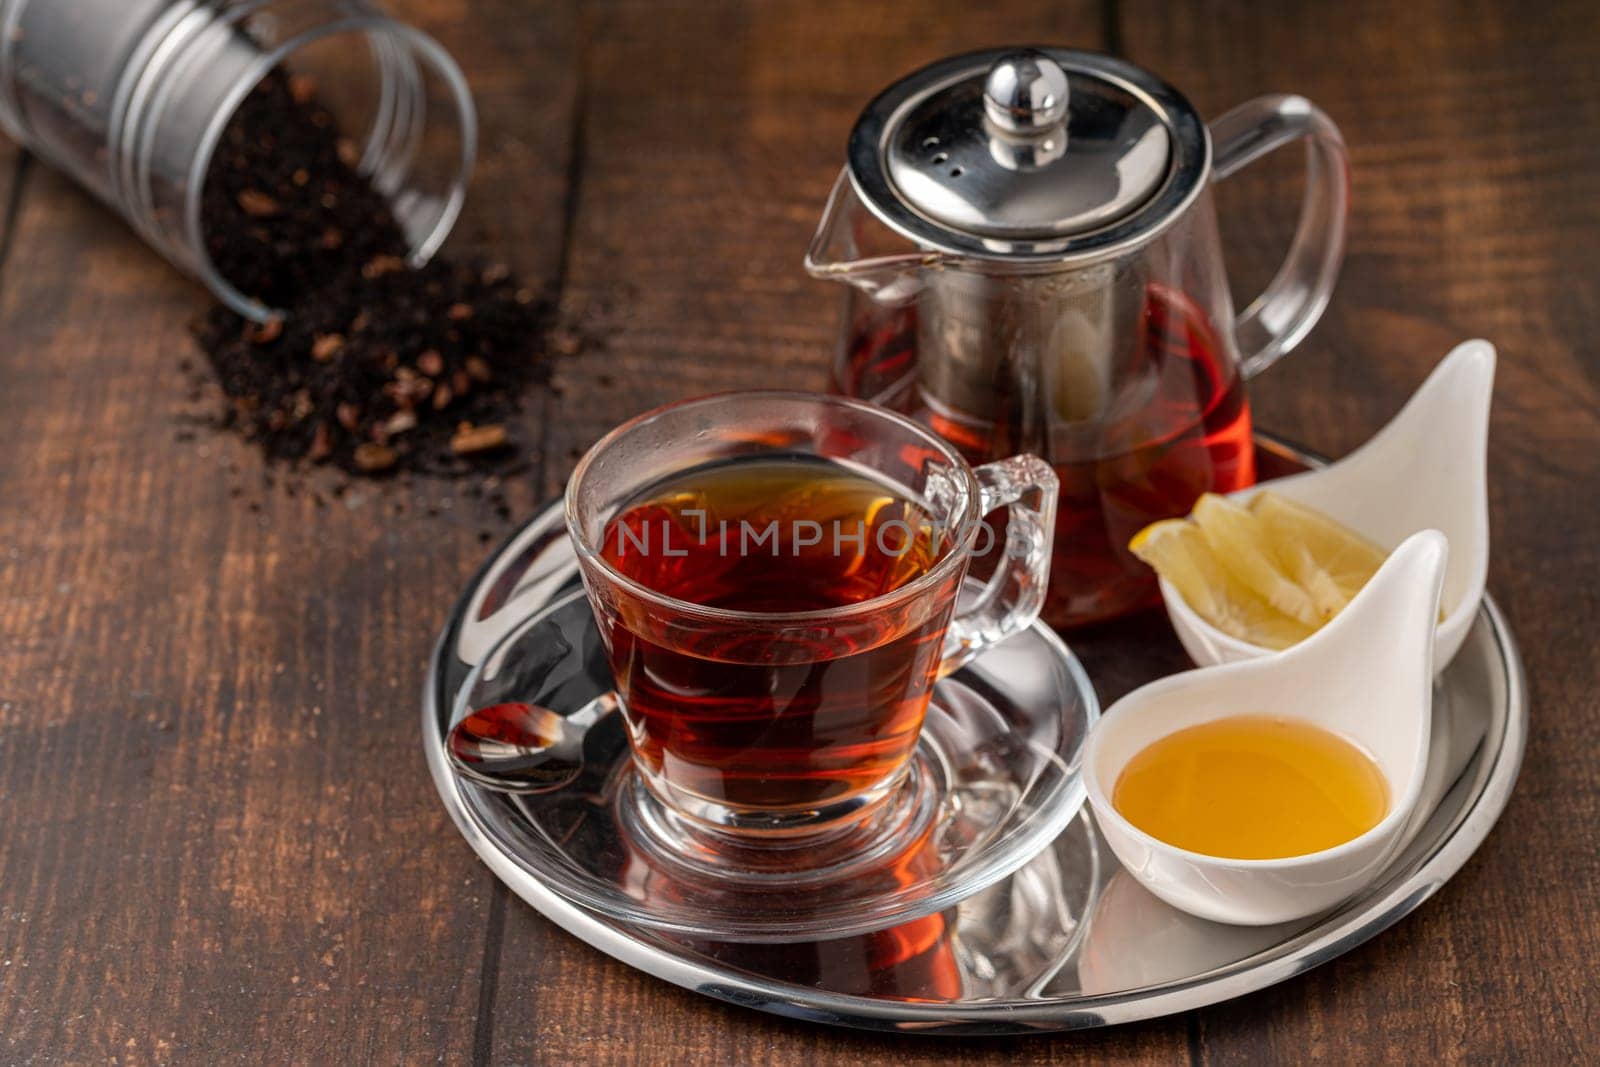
(1252, 787)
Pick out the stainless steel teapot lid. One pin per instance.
(1031, 154)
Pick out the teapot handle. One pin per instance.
(1291, 304)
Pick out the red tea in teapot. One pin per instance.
(1191, 434)
(1031, 248)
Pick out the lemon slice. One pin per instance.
(1272, 573)
(1244, 547)
(1329, 561)
(1179, 553)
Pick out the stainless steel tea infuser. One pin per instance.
(1042, 192)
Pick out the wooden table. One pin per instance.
(220, 843)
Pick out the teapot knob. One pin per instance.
(1025, 93)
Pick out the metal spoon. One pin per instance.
(524, 748)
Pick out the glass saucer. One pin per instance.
(994, 780)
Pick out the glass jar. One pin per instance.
(131, 97)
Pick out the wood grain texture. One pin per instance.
(712, 133)
(220, 843)
(1476, 205)
(189, 872)
(710, 138)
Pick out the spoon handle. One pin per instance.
(594, 711)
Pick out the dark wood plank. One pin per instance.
(15, 165)
(1474, 215)
(220, 843)
(189, 871)
(711, 135)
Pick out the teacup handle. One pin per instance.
(1291, 304)
(1015, 594)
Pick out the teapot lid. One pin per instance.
(1033, 154)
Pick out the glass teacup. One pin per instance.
(775, 576)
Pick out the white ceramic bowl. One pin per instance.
(1366, 676)
(1427, 469)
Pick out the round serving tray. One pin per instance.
(1068, 941)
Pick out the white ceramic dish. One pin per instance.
(1367, 676)
(1427, 469)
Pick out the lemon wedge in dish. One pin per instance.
(1243, 545)
(1180, 554)
(1331, 562)
(1272, 573)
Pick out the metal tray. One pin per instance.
(1069, 941)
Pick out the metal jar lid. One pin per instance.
(1031, 155)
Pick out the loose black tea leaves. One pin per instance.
(382, 369)
(375, 366)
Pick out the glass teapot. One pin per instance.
(1032, 254)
